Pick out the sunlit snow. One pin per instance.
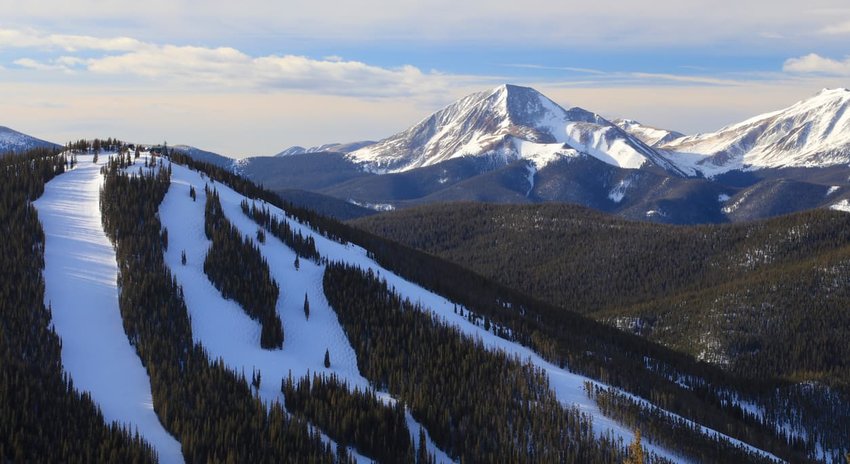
(82, 290)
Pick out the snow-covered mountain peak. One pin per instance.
(814, 132)
(835, 91)
(497, 121)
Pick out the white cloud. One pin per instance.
(816, 64)
(222, 68)
(837, 29)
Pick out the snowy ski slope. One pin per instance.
(81, 287)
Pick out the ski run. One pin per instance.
(81, 289)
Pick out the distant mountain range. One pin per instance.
(14, 141)
(334, 147)
(512, 144)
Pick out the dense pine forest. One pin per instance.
(454, 386)
(42, 417)
(238, 270)
(208, 408)
(762, 299)
(353, 417)
(666, 283)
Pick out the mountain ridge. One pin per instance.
(14, 141)
(814, 132)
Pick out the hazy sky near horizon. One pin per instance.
(254, 77)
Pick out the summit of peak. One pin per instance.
(834, 91)
(514, 88)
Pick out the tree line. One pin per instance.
(304, 247)
(238, 270)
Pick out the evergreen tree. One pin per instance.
(635, 450)
(183, 257)
(327, 359)
(422, 455)
(297, 263)
(306, 307)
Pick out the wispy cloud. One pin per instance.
(555, 68)
(601, 24)
(220, 68)
(842, 28)
(29, 38)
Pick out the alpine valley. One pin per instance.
(507, 280)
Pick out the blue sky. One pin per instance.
(255, 76)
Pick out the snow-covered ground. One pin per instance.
(843, 205)
(81, 288)
(228, 333)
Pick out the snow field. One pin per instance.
(81, 287)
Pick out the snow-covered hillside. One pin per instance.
(227, 332)
(508, 122)
(81, 288)
(11, 140)
(81, 285)
(811, 133)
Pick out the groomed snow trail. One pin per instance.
(81, 287)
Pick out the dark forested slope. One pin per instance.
(763, 298)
